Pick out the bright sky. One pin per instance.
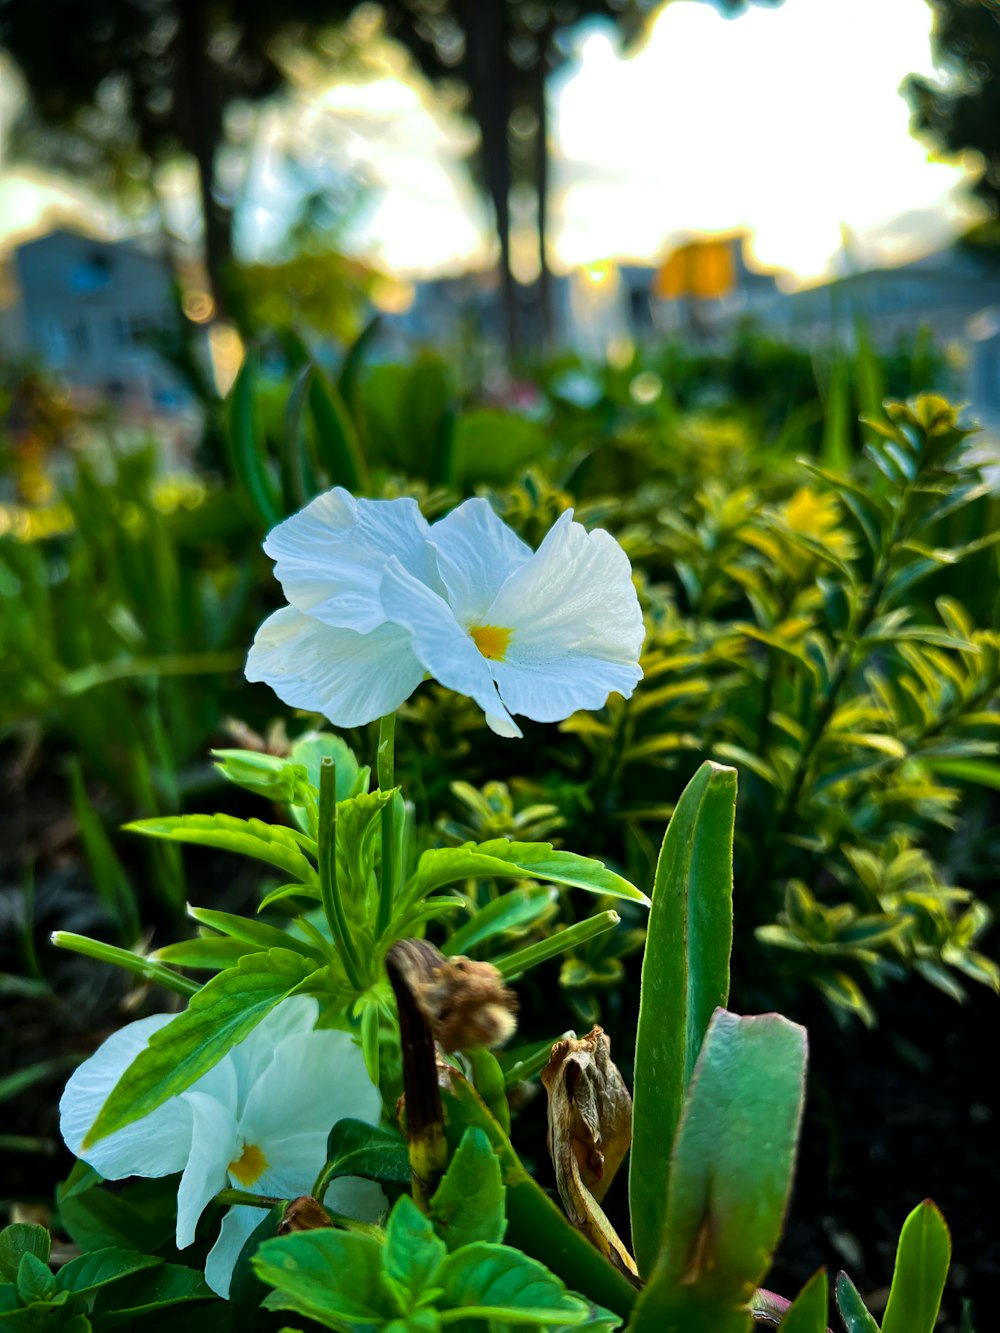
(787, 121)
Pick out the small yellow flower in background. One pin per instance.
(258, 1121)
(378, 597)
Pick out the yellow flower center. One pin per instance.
(491, 640)
(249, 1166)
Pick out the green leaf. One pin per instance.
(311, 749)
(271, 843)
(246, 1291)
(979, 771)
(852, 1308)
(252, 932)
(18, 1239)
(330, 1276)
(922, 1261)
(166, 1286)
(34, 1279)
(499, 858)
(89, 1271)
(517, 910)
(487, 1281)
(336, 437)
(247, 451)
(413, 1253)
(369, 1151)
(730, 1177)
(224, 1011)
(210, 953)
(807, 1313)
(469, 1203)
(534, 1221)
(141, 1215)
(685, 977)
(266, 775)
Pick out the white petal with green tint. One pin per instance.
(350, 678)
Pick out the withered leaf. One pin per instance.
(590, 1129)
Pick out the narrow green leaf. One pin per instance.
(516, 910)
(224, 1011)
(514, 964)
(336, 437)
(252, 932)
(922, 1261)
(245, 437)
(730, 1177)
(209, 953)
(851, 1307)
(147, 968)
(979, 771)
(807, 1313)
(685, 977)
(499, 858)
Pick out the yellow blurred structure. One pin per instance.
(704, 269)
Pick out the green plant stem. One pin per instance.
(516, 963)
(386, 770)
(329, 887)
(131, 962)
(246, 1199)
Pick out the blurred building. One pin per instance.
(91, 311)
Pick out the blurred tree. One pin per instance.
(961, 110)
(502, 52)
(118, 87)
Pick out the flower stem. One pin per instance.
(244, 1198)
(516, 963)
(329, 888)
(131, 962)
(386, 771)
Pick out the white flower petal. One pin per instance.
(439, 642)
(314, 1080)
(214, 1144)
(330, 555)
(238, 1226)
(350, 678)
(476, 553)
(576, 625)
(255, 1052)
(157, 1145)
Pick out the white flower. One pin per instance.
(379, 597)
(258, 1120)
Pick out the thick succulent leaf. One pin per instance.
(685, 977)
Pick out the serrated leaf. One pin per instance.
(469, 1203)
(413, 1253)
(918, 1279)
(271, 843)
(18, 1239)
(506, 1283)
(330, 1276)
(222, 1013)
(685, 977)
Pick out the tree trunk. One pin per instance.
(488, 73)
(200, 106)
(539, 83)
